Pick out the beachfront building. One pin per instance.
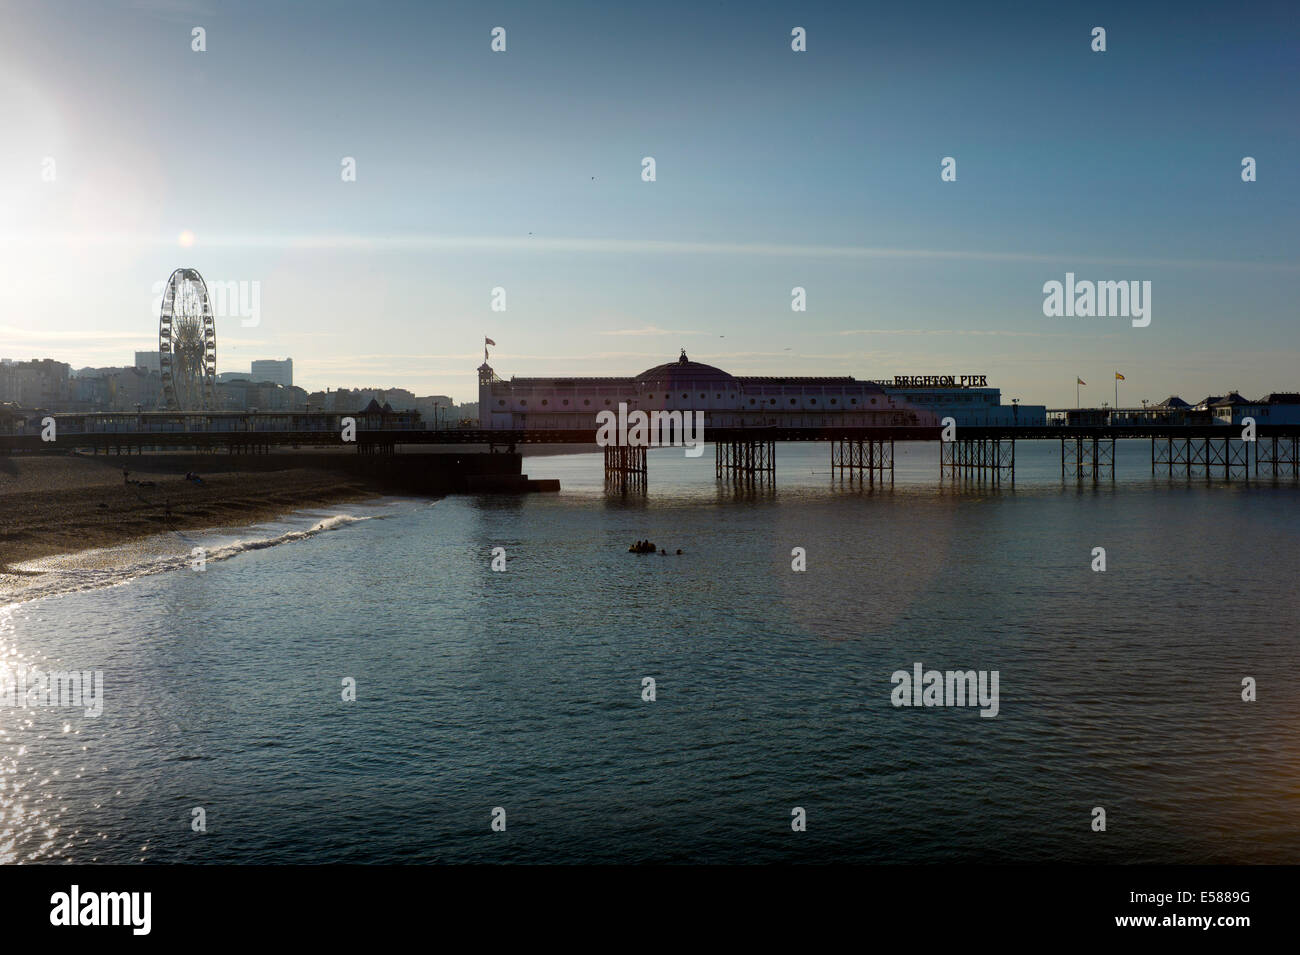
(1276, 408)
(39, 383)
(729, 400)
(967, 403)
(112, 389)
(1279, 407)
(241, 394)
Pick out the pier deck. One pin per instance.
(971, 452)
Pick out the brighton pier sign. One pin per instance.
(941, 381)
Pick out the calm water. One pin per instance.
(522, 689)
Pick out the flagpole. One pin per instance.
(1076, 392)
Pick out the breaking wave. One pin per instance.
(122, 563)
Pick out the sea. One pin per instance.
(496, 678)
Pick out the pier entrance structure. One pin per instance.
(686, 386)
(745, 415)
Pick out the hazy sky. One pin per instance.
(775, 169)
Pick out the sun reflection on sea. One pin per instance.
(31, 797)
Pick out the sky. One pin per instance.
(774, 169)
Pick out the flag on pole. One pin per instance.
(1118, 376)
(1080, 381)
(488, 341)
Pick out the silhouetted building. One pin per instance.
(280, 372)
(39, 383)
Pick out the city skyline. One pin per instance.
(775, 169)
(1109, 380)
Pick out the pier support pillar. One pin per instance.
(864, 457)
(748, 460)
(1088, 457)
(1278, 456)
(1223, 457)
(978, 458)
(625, 467)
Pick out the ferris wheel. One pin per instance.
(187, 344)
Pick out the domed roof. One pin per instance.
(683, 370)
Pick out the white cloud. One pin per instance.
(462, 244)
(651, 330)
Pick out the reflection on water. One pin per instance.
(522, 689)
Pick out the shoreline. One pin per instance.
(54, 506)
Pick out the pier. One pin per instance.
(974, 453)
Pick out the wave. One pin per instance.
(328, 524)
(123, 563)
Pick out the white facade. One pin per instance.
(684, 385)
